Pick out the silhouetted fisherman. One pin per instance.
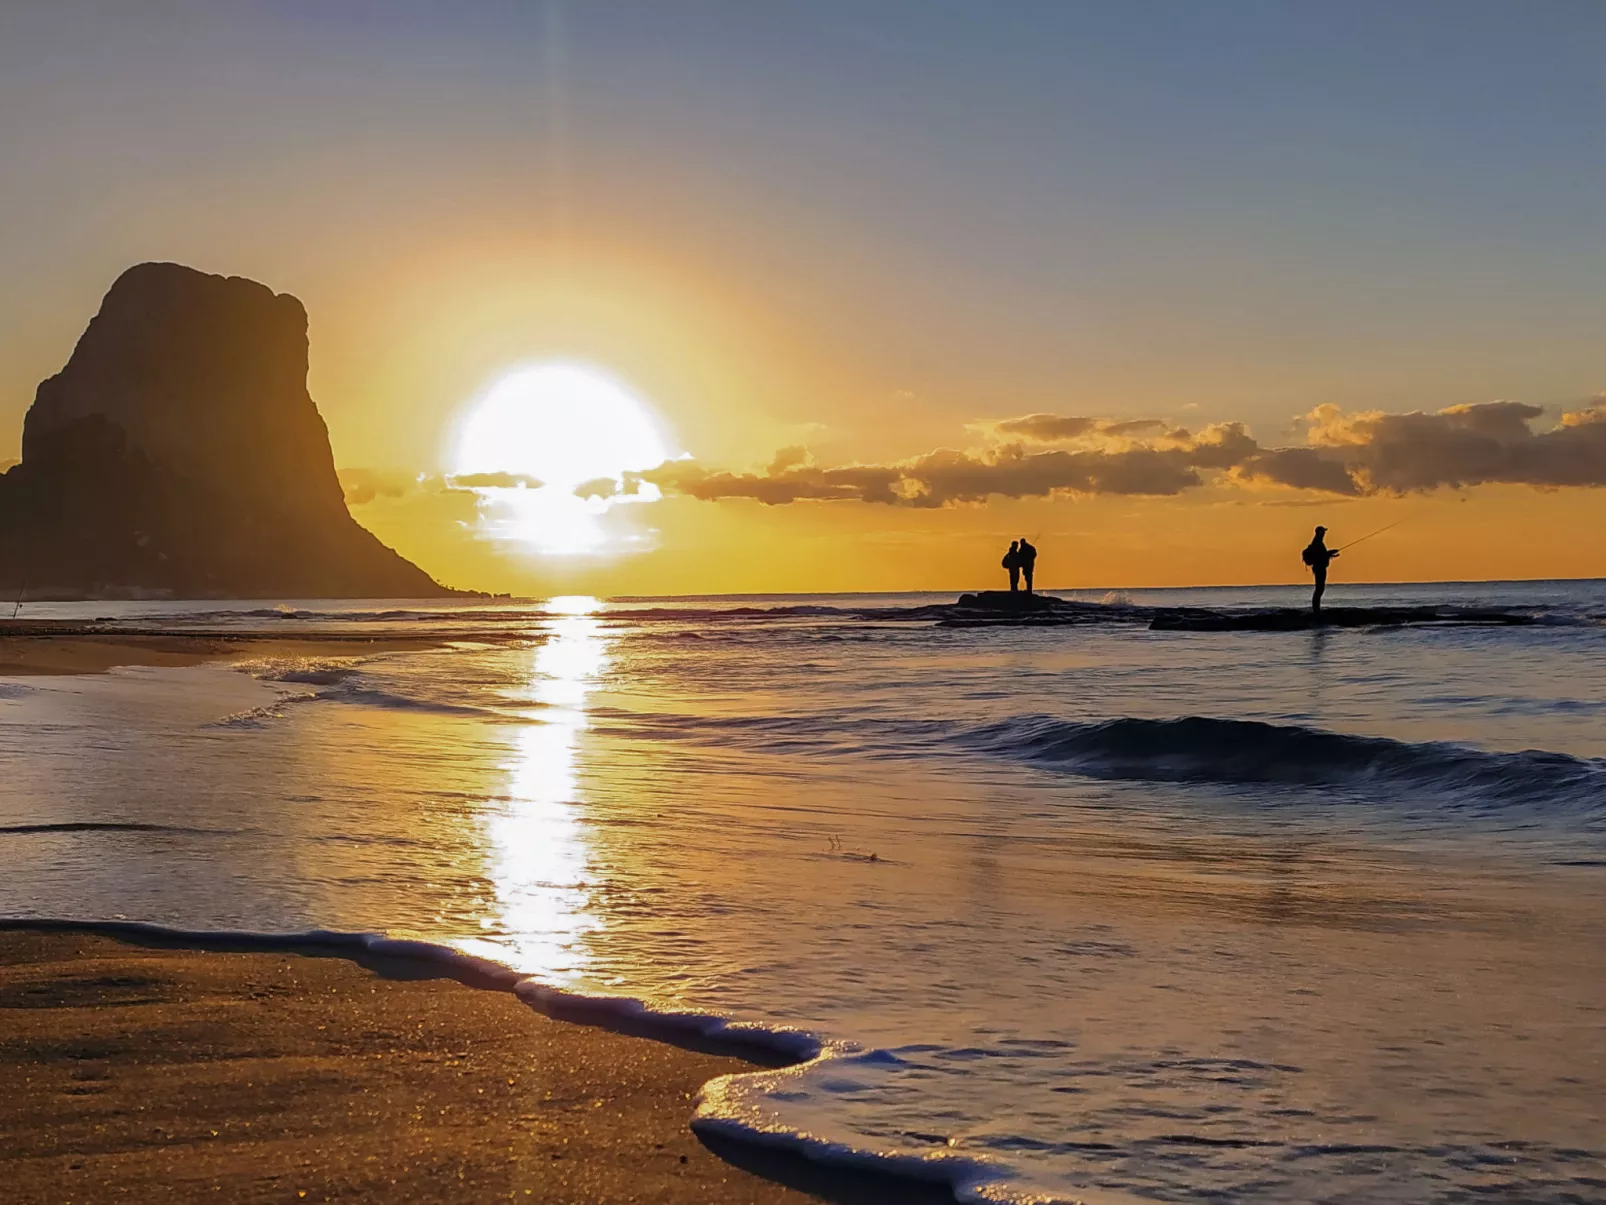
(1011, 562)
(1027, 555)
(1318, 555)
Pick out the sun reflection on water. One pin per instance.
(539, 856)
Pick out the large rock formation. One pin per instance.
(179, 452)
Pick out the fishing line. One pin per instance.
(1369, 535)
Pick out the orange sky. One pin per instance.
(867, 236)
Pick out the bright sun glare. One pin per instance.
(539, 432)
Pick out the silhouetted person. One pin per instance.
(1318, 555)
(1027, 555)
(1011, 562)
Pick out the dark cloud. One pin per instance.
(1059, 428)
(493, 481)
(948, 476)
(1131, 427)
(1046, 428)
(599, 487)
(1484, 444)
(864, 483)
(1347, 455)
(1220, 447)
(1301, 468)
(362, 486)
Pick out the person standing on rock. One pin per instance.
(1026, 554)
(1011, 562)
(1318, 556)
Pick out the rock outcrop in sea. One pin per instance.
(179, 453)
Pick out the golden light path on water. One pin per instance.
(538, 851)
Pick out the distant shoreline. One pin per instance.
(54, 648)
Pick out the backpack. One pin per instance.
(1309, 555)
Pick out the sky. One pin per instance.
(891, 282)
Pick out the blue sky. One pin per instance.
(1247, 208)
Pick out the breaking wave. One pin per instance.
(1207, 749)
(337, 682)
(1190, 749)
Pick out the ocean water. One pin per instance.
(1072, 913)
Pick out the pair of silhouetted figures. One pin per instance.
(1318, 556)
(1020, 560)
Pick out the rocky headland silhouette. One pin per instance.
(179, 454)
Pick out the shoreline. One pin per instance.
(50, 648)
(356, 1073)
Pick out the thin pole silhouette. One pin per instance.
(1368, 536)
(20, 593)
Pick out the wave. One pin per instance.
(1118, 608)
(306, 673)
(728, 1107)
(1209, 749)
(369, 696)
(340, 682)
(1190, 749)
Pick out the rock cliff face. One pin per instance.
(179, 452)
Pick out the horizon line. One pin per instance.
(1487, 581)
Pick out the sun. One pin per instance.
(542, 430)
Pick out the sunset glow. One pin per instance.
(538, 435)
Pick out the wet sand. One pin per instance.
(138, 1072)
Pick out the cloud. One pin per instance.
(1046, 428)
(1483, 444)
(1593, 413)
(1131, 427)
(863, 483)
(1058, 428)
(1300, 468)
(947, 475)
(1348, 455)
(492, 481)
(599, 487)
(1345, 455)
(362, 486)
(789, 458)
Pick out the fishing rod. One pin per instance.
(1369, 535)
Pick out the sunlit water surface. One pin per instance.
(1210, 961)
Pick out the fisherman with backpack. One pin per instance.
(1318, 556)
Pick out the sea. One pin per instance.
(1069, 913)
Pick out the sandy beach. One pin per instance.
(146, 1073)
